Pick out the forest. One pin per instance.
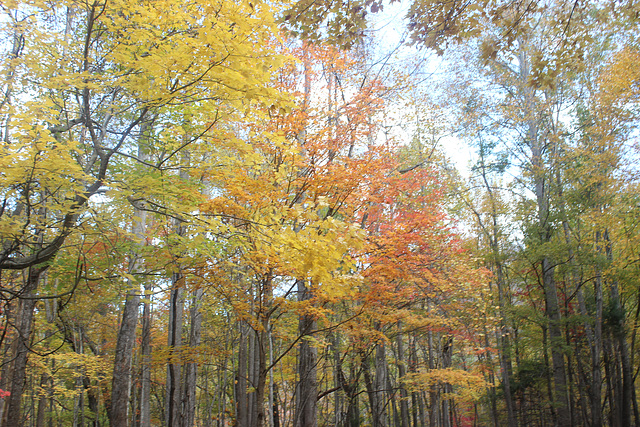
(277, 213)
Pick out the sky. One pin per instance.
(391, 40)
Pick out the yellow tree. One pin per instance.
(80, 83)
(604, 180)
(289, 203)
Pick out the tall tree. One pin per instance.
(81, 81)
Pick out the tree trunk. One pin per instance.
(596, 350)
(415, 396)
(402, 371)
(42, 401)
(541, 181)
(24, 327)
(174, 342)
(9, 343)
(242, 409)
(261, 377)
(556, 341)
(350, 388)
(548, 282)
(379, 413)
(506, 368)
(621, 340)
(122, 372)
(307, 387)
(121, 383)
(447, 354)
(593, 333)
(612, 382)
(251, 379)
(145, 366)
(191, 372)
(92, 397)
(434, 395)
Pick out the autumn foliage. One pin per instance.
(207, 221)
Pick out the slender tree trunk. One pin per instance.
(261, 378)
(121, 384)
(78, 410)
(422, 408)
(632, 352)
(145, 366)
(506, 368)
(634, 401)
(191, 372)
(550, 289)
(447, 354)
(369, 386)
(492, 377)
(621, 341)
(350, 388)
(555, 338)
(42, 402)
(251, 379)
(242, 411)
(264, 300)
(434, 395)
(174, 342)
(492, 233)
(307, 387)
(273, 404)
(379, 412)
(25, 322)
(593, 333)
(122, 368)
(596, 351)
(92, 397)
(353, 410)
(548, 375)
(612, 382)
(584, 396)
(549, 284)
(9, 344)
(337, 379)
(402, 372)
(415, 396)
(394, 416)
(541, 181)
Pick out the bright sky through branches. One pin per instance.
(391, 47)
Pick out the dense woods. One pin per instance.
(245, 213)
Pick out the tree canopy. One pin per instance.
(247, 214)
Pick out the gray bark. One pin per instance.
(191, 369)
(379, 412)
(242, 411)
(173, 402)
(42, 402)
(307, 387)
(145, 350)
(122, 369)
(434, 395)
(621, 341)
(402, 371)
(121, 383)
(24, 318)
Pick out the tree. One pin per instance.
(291, 199)
(539, 82)
(81, 84)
